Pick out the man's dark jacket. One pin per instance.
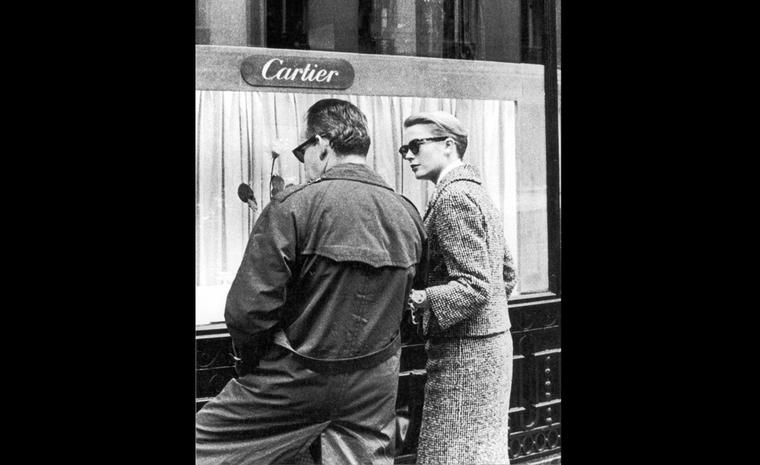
(331, 263)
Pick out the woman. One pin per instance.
(464, 306)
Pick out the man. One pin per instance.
(315, 310)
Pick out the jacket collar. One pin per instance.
(354, 172)
(463, 172)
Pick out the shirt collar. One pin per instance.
(460, 172)
(446, 171)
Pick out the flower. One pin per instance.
(279, 146)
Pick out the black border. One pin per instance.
(118, 96)
(119, 99)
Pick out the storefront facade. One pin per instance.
(261, 64)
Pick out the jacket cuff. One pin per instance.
(251, 349)
(430, 324)
(442, 313)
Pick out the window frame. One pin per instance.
(533, 87)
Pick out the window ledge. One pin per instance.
(531, 299)
(214, 329)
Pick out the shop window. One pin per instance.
(234, 136)
(532, 31)
(222, 22)
(558, 32)
(202, 31)
(286, 24)
(505, 30)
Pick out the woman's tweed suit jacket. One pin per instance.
(469, 367)
(471, 270)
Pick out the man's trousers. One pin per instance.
(274, 413)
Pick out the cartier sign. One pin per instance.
(288, 71)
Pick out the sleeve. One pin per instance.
(510, 276)
(259, 290)
(463, 248)
(421, 271)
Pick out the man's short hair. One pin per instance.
(444, 124)
(342, 122)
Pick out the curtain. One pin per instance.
(234, 135)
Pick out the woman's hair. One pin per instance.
(444, 124)
(342, 123)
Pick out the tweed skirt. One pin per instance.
(466, 409)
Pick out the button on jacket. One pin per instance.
(331, 263)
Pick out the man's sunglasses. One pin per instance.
(301, 149)
(414, 144)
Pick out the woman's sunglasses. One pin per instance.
(414, 144)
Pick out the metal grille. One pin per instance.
(534, 414)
